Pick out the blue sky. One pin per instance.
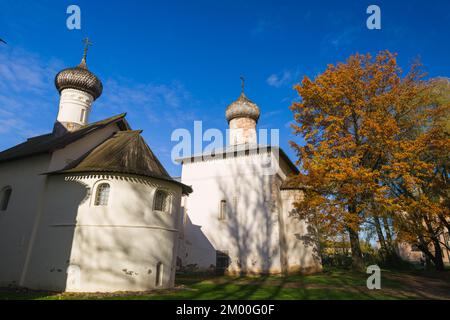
(168, 63)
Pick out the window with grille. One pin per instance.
(223, 210)
(102, 195)
(5, 195)
(160, 202)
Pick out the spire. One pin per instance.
(242, 84)
(87, 43)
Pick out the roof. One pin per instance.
(125, 152)
(47, 143)
(80, 78)
(235, 150)
(290, 183)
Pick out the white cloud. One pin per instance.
(147, 102)
(278, 80)
(27, 94)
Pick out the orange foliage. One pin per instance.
(373, 139)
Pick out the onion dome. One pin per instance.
(243, 107)
(80, 78)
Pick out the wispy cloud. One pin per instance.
(27, 94)
(284, 78)
(165, 104)
(29, 100)
(343, 38)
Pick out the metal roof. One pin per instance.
(47, 143)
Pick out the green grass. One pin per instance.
(331, 284)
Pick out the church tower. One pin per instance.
(242, 116)
(78, 88)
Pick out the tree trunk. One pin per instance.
(357, 259)
(444, 221)
(381, 240)
(387, 229)
(438, 259)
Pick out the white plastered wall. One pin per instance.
(300, 238)
(18, 221)
(258, 232)
(74, 106)
(250, 232)
(87, 248)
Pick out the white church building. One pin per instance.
(241, 218)
(88, 207)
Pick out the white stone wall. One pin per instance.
(87, 248)
(300, 239)
(74, 107)
(258, 234)
(18, 224)
(242, 130)
(53, 238)
(250, 232)
(18, 221)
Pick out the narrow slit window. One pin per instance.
(223, 210)
(5, 196)
(160, 203)
(83, 115)
(159, 274)
(102, 195)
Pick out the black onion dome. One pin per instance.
(80, 78)
(243, 107)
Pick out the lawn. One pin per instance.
(331, 284)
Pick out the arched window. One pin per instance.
(5, 195)
(161, 201)
(159, 274)
(102, 195)
(223, 210)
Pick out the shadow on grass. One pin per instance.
(329, 285)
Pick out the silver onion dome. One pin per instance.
(80, 77)
(243, 107)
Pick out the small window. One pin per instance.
(159, 274)
(83, 115)
(160, 203)
(5, 196)
(102, 195)
(223, 210)
(222, 261)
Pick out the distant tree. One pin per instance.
(361, 121)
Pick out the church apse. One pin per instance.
(87, 246)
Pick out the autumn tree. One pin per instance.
(418, 176)
(357, 120)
